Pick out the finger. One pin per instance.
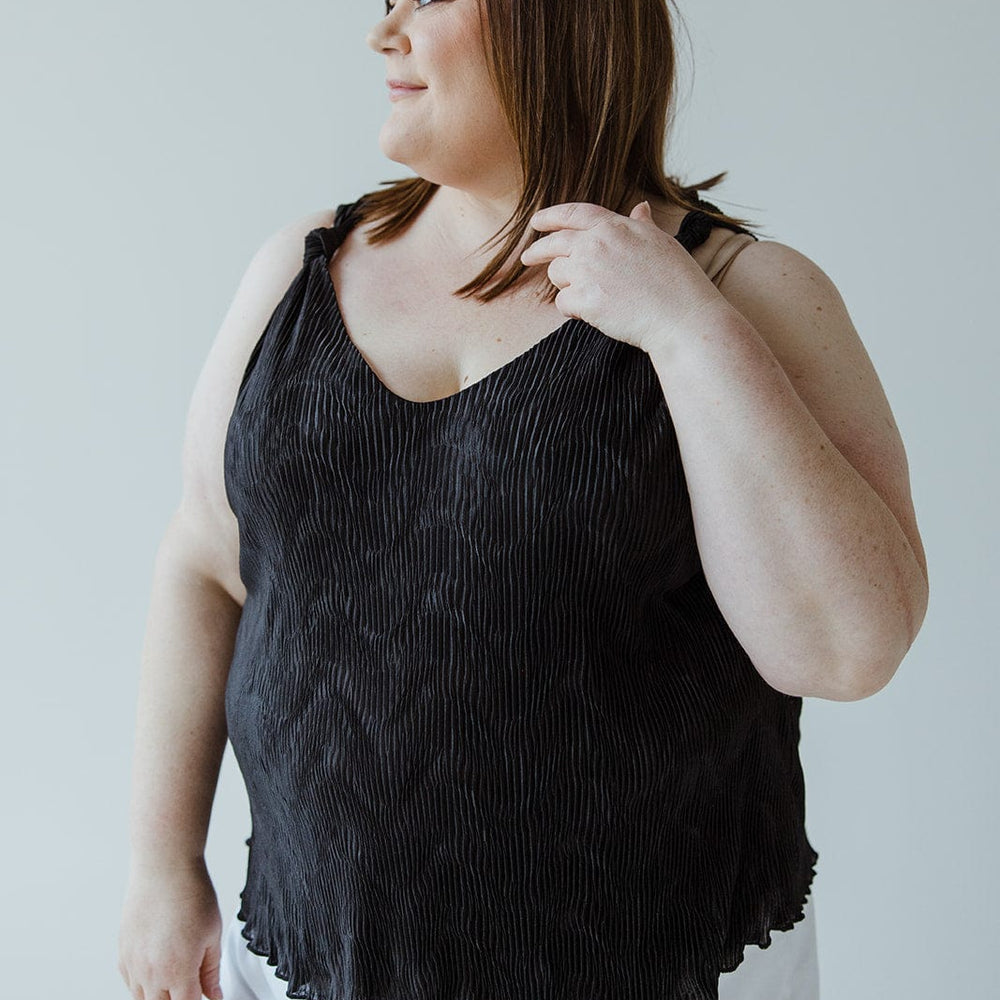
(641, 211)
(569, 215)
(559, 272)
(189, 990)
(209, 973)
(562, 303)
(546, 248)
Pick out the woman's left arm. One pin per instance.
(797, 476)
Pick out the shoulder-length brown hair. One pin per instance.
(589, 92)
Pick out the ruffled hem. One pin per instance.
(689, 986)
(271, 960)
(786, 919)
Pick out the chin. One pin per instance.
(397, 144)
(399, 153)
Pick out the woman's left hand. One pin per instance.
(621, 274)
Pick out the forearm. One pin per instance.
(180, 733)
(809, 566)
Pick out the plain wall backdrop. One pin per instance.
(148, 151)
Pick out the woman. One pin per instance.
(506, 573)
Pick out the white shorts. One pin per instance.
(787, 970)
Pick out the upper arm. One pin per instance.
(799, 313)
(203, 530)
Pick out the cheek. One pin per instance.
(457, 66)
(458, 53)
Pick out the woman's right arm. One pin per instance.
(171, 927)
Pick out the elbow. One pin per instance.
(867, 670)
(851, 663)
(860, 680)
(847, 656)
(844, 677)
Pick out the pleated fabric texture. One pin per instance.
(498, 740)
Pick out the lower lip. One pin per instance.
(395, 93)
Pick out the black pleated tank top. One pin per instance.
(498, 741)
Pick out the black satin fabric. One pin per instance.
(498, 740)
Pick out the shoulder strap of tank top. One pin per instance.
(697, 225)
(325, 239)
(346, 213)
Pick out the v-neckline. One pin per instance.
(339, 233)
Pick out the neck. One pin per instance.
(457, 221)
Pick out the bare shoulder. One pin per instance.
(203, 530)
(800, 314)
(270, 271)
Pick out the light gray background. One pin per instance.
(149, 149)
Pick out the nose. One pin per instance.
(385, 35)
